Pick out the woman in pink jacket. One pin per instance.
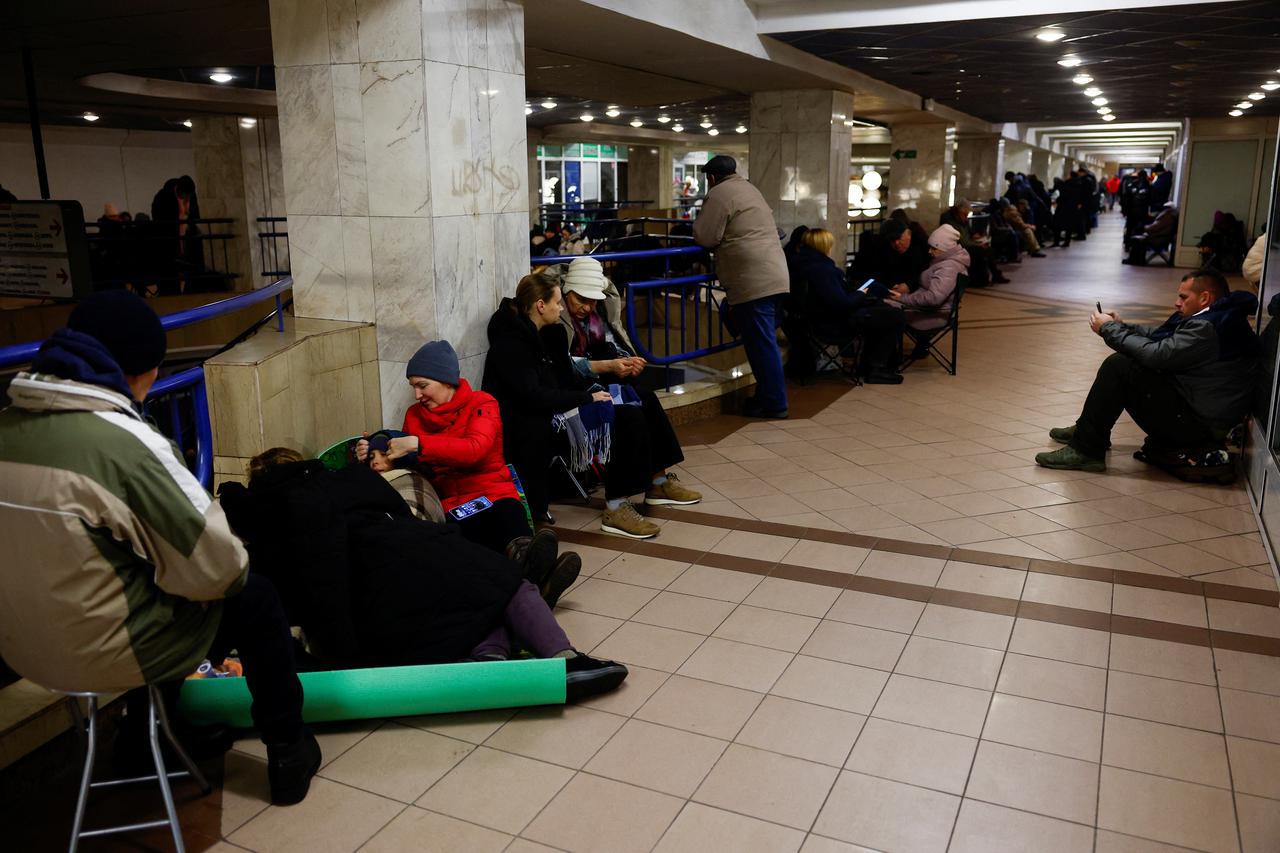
(928, 306)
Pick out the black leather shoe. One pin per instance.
(536, 555)
(883, 377)
(290, 768)
(566, 571)
(587, 676)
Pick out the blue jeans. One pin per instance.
(758, 325)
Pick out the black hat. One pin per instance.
(123, 323)
(720, 165)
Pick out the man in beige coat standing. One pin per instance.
(737, 224)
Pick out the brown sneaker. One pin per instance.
(625, 521)
(671, 492)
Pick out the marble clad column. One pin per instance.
(405, 169)
(799, 151)
(1040, 165)
(220, 187)
(979, 167)
(920, 184)
(649, 174)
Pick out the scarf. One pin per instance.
(587, 334)
(589, 427)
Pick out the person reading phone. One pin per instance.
(1185, 383)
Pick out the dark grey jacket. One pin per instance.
(1212, 356)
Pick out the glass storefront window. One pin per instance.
(580, 172)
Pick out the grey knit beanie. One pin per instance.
(434, 360)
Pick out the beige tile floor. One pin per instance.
(769, 714)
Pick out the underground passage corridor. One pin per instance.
(884, 629)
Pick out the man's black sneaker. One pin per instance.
(290, 768)
(587, 676)
(883, 377)
(752, 409)
(566, 571)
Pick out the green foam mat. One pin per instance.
(352, 694)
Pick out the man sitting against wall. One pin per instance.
(1186, 383)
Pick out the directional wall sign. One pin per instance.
(43, 250)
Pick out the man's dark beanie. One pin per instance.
(892, 229)
(123, 323)
(434, 360)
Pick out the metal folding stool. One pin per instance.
(157, 721)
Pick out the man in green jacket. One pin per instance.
(118, 568)
(1186, 383)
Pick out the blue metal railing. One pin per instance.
(185, 387)
(697, 295)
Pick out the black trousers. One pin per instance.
(880, 327)
(253, 624)
(496, 526)
(1151, 398)
(643, 443)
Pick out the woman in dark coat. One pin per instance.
(372, 586)
(835, 311)
(529, 371)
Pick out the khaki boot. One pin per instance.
(625, 521)
(671, 492)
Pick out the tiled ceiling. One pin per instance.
(1150, 63)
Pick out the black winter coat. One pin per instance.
(369, 584)
(530, 375)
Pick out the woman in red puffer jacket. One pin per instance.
(454, 434)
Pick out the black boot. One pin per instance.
(290, 768)
(536, 554)
(566, 571)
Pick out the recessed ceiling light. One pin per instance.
(1236, 113)
(1099, 102)
(1104, 111)
(1245, 105)
(1256, 96)
(221, 77)
(528, 110)
(548, 105)
(187, 123)
(1050, 34)
(677, 127)
(742, 128)
(1270, 86)
(1082, 79)
(705, 123)
(663, 119)
(247, 122)
(1070, 61)
(90, 116)
(1108, 117)
(613, 111)
(587, 117)
(713, 132)
(1092, 92)
(635, 122)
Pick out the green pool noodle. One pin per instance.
(399, 691)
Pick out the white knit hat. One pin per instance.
(585, 278)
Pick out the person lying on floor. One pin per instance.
(1185, 383)
(453, 436)
(529, 373)
(371, 586)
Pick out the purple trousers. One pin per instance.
(526, 623)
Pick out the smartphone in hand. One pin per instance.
(1099, 306)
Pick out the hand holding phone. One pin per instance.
(1099, 306)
